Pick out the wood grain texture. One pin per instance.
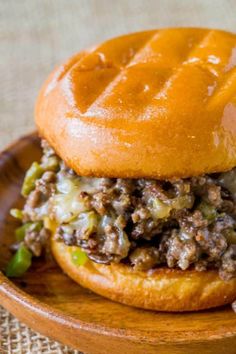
(51, 303)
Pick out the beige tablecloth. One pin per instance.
(17, 338)
(35, 35)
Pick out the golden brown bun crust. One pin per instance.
(158, 104)
(163, 290)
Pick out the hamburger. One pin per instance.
(136, 189)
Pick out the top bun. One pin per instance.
(154, 104)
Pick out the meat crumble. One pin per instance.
(182, 223)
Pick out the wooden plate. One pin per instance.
(51, 303)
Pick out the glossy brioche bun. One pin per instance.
(158, 104)
(162, 290)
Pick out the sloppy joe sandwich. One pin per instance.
(136, 189)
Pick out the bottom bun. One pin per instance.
(162, 289)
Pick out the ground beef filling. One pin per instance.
(145, 223)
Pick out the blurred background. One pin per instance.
(37, 35)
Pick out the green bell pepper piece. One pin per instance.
(20, 262)
(79, 257)
(32, 226)
(33, 173)
(16, 213)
